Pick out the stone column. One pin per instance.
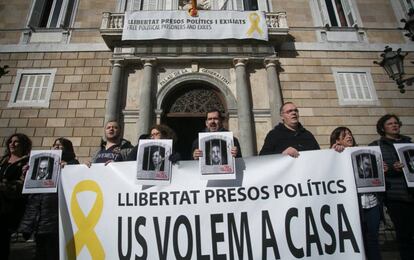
(273, 89)
(244, 109)
(145, 97)
(114, 93)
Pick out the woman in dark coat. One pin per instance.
(42, 215)
(12, 202)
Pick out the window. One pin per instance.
(401, 9)
(32, 88)
(52, 13)
(355, 86)
(406, 5)
(337, 13)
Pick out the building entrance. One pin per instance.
(185, 109)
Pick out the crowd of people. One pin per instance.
(38, 213)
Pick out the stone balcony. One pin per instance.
(113, 23)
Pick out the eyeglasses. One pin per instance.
(155, 134)
(291, 110)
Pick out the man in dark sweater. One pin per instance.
(214, 123)
(289, 137)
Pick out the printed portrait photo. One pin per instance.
(409, 160)
(44, 171)
(216, 161)
(367, 166)
(43, 168)
(154, 157)
(153, 164)
(368, 169)
(216, 152)
(406, 155)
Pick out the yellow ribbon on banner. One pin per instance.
(86, 236)
(254, 19)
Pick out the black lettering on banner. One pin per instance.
(129, 247)
(329, 249)
(265, 192)
(162, 247)
(329, 187)
(278, 189)
(216, 237)
(209, 195)
(268, 242)
(164, 198)
(200, 255)
(348, 234)
(296, 252)
(295, 191)
(119, 200)
(185, 198)
(311, 238)
(220, 195)
(231, 194)
(242, 194)
(255, 195)
(143, 199)
(141, 221)
(182, 220)
(340, 185)
(244, 232)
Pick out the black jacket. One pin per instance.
(281, 137)
(42, 214)
(12, 202)
(396, 187)
(235, 142)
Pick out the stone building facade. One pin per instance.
(69, 71)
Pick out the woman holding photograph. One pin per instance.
(12, 202)
(399, 198)
(340, 139)
(158, 132)
(41, 215)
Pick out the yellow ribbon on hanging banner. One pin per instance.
(86, 235)
(254, 19)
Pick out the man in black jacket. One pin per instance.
(289, 137)
(214, 123)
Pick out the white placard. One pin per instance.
(44, 171)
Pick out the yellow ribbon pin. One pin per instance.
(254, 19)
(86, 236)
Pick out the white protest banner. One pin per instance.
(208, 25)
(278, 207)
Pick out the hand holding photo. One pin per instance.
(406, 155)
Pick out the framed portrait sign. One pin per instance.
(154, 166)
(217, 161)
(406, 155)
(44, 171)
(368, 169)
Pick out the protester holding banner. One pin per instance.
(214, 123)
(289, 137)
(341, 137)
(12, 202)
(115, 148)
(41, 215)
(398, 198)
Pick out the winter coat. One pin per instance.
(12, 202)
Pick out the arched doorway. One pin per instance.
(184, 110)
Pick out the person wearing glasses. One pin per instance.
(289, 137)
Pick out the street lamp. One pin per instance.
(409, 25)
(393, 64)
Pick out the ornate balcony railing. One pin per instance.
(113, 23)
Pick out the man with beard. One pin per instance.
(115, 148)
(289, 137)
(214, 123)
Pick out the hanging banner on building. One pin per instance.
(208, 25)
(278, 207)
